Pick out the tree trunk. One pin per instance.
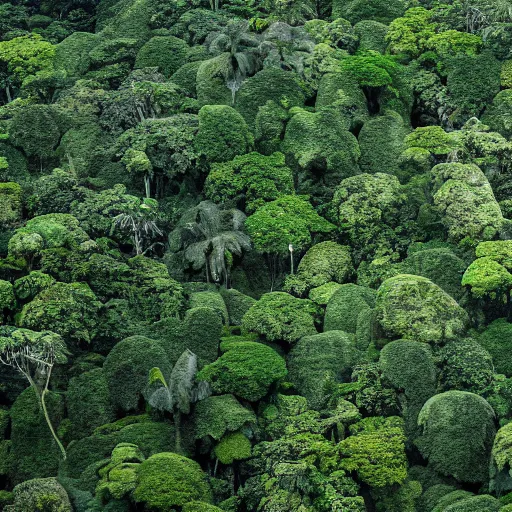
(177, 426)
(47, 416)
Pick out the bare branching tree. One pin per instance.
(34, 354)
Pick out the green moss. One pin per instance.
(323, 263)
(342, 91)
(216, 415)
(210, 86)
(246, 369)
(127, 367)
(432, 138)
(7, 299)
(212, 300)
(69, 309)
(168, 54)
(199, 506)
(377, 10)
(497, 340)
(321, 150)
(72, 54)
(372, 35)
(233, 447)
(250, 181)
(223, 134)
(186, 76)
(441, 266)
(408, 366)
(278, 316)
(202, 329)
(167, 479)
(483, 503)
(414, 308)
(10, 203)
(41, 494)
(269, 84)
(497, 114)
(472, 82)
(457, 434)
(317, 360)
(376, 451)
(237, 304)
(119, 475)
(88, 403)
(33, 452)
(382, 141)
(345, 305)
(367, 207)
(466, 365)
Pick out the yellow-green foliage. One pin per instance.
(457, 432)
(247, 369)
(7, 299)
(376, 451)
(118, 477)
(69, 309)
(506, 74)
(278, 316)
(41, 494)
(466, 201)
(167, 480)
(233, 447)
(412, 307)
(10, 203)
(249, 181)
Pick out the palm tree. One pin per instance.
(140, 225)
(286, 47)
(179, 393)
(209, 237)
(241, 45)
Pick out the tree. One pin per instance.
(237, 41)
(250, 180)
(21, 57)
(288, 221)
(138, 162)
(34, 355)
(209, 237)
(181, 392)
(140, 225)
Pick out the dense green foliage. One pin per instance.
(255, 256)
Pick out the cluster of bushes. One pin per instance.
(255, 256)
